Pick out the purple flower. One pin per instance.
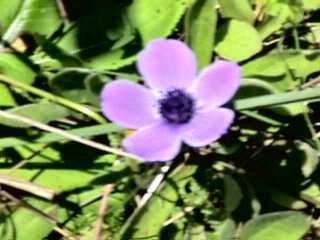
(178, 106)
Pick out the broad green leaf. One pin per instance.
(69, 83)
(35, 16)
(311, 194)
(286, 200)
(287, 63)
(195, 232)
(38, 112)
(111, 60)
(227, 230)
(233, 194)
(154, 19)
(270, 65)
(278, 225)
(14, 67)
(311, 5)
(55, 52)
(24, 224)
(6, 98)
(238, 41)
(314, 35)
(240, 10)
(78, 85)
(62, 168)
(8, 10)
(309, 157)
(93, 84)
(200, 23)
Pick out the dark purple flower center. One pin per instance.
(177, 106)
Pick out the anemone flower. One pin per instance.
(176, 106)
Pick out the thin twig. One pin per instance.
(23, 185)
(154, 185)
(178, 216)
(63, 12)
(313, 82)
(66, 135)
(102, 210)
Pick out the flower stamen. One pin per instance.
(177, 106)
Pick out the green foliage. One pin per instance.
(284, 225)
(35, 16)
(154, 19)
(238, 41)
(240, 10)
(259, 182)
(200, 30)
(38, 112)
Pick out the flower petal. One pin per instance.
(207, 127)
(166, 64)
(218, 83)
(157, 142)
(128, 104)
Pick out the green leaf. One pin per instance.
(57, 53)
(240, 10)
(286, 200)
(312, 194)
(62, 168)
(195, 232)
(287, 63)
(227, 230)
(278, 13)
(35, 16)
(111, 60)
(237, 41)
(78, 85)
(70, 83)
(278, 225)
(311, 5)
(14, 67)
(8, 10)
(154, 19)
(38, 112)
(269, 65)
(233, 194)
(200, 30)
(24, 224)
(6, 98)
(309, 157)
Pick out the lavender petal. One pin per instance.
(157, 142)
(128, 104)
(207, 127)
(218, 83)
(167, 64)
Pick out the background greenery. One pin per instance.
(260, 182)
